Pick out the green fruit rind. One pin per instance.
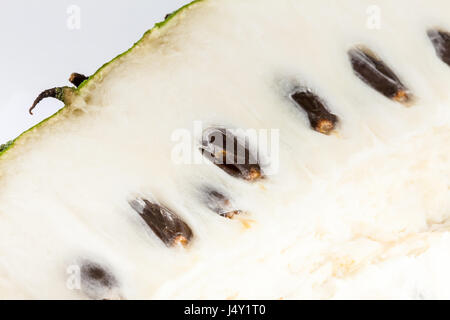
(158, 25)
(5, 146)
(8, 146)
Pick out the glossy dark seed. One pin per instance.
(320, 118)
(441, 42)
(77, 78)
(374, 72)
(96, 280)
(163, 222)
(220, 204)
(223, 149)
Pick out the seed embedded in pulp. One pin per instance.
(163, 222)
(221, 204)
(223, 149)
(96, 281)
(375, 73)
(320, 118)
(441, 43)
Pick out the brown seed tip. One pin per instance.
(325, 126)
(254, 174)
(231, 214)
(180, 241)
(401, 96)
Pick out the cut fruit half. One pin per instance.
(350, 198)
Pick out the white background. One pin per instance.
(39, 51)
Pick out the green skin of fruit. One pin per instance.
(8, 146)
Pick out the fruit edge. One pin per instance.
(8, 145)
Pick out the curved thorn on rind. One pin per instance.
(59, 93)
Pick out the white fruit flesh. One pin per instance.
(362, 213)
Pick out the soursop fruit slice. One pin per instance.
(124, 193)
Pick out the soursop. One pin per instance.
(243, 149)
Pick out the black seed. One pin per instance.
(224, 150)
(374, 72)
(220, 204)
(77, 78)
(163, 222)
(320, 118)
(96, 280)
(94, 273)
(441, 42)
